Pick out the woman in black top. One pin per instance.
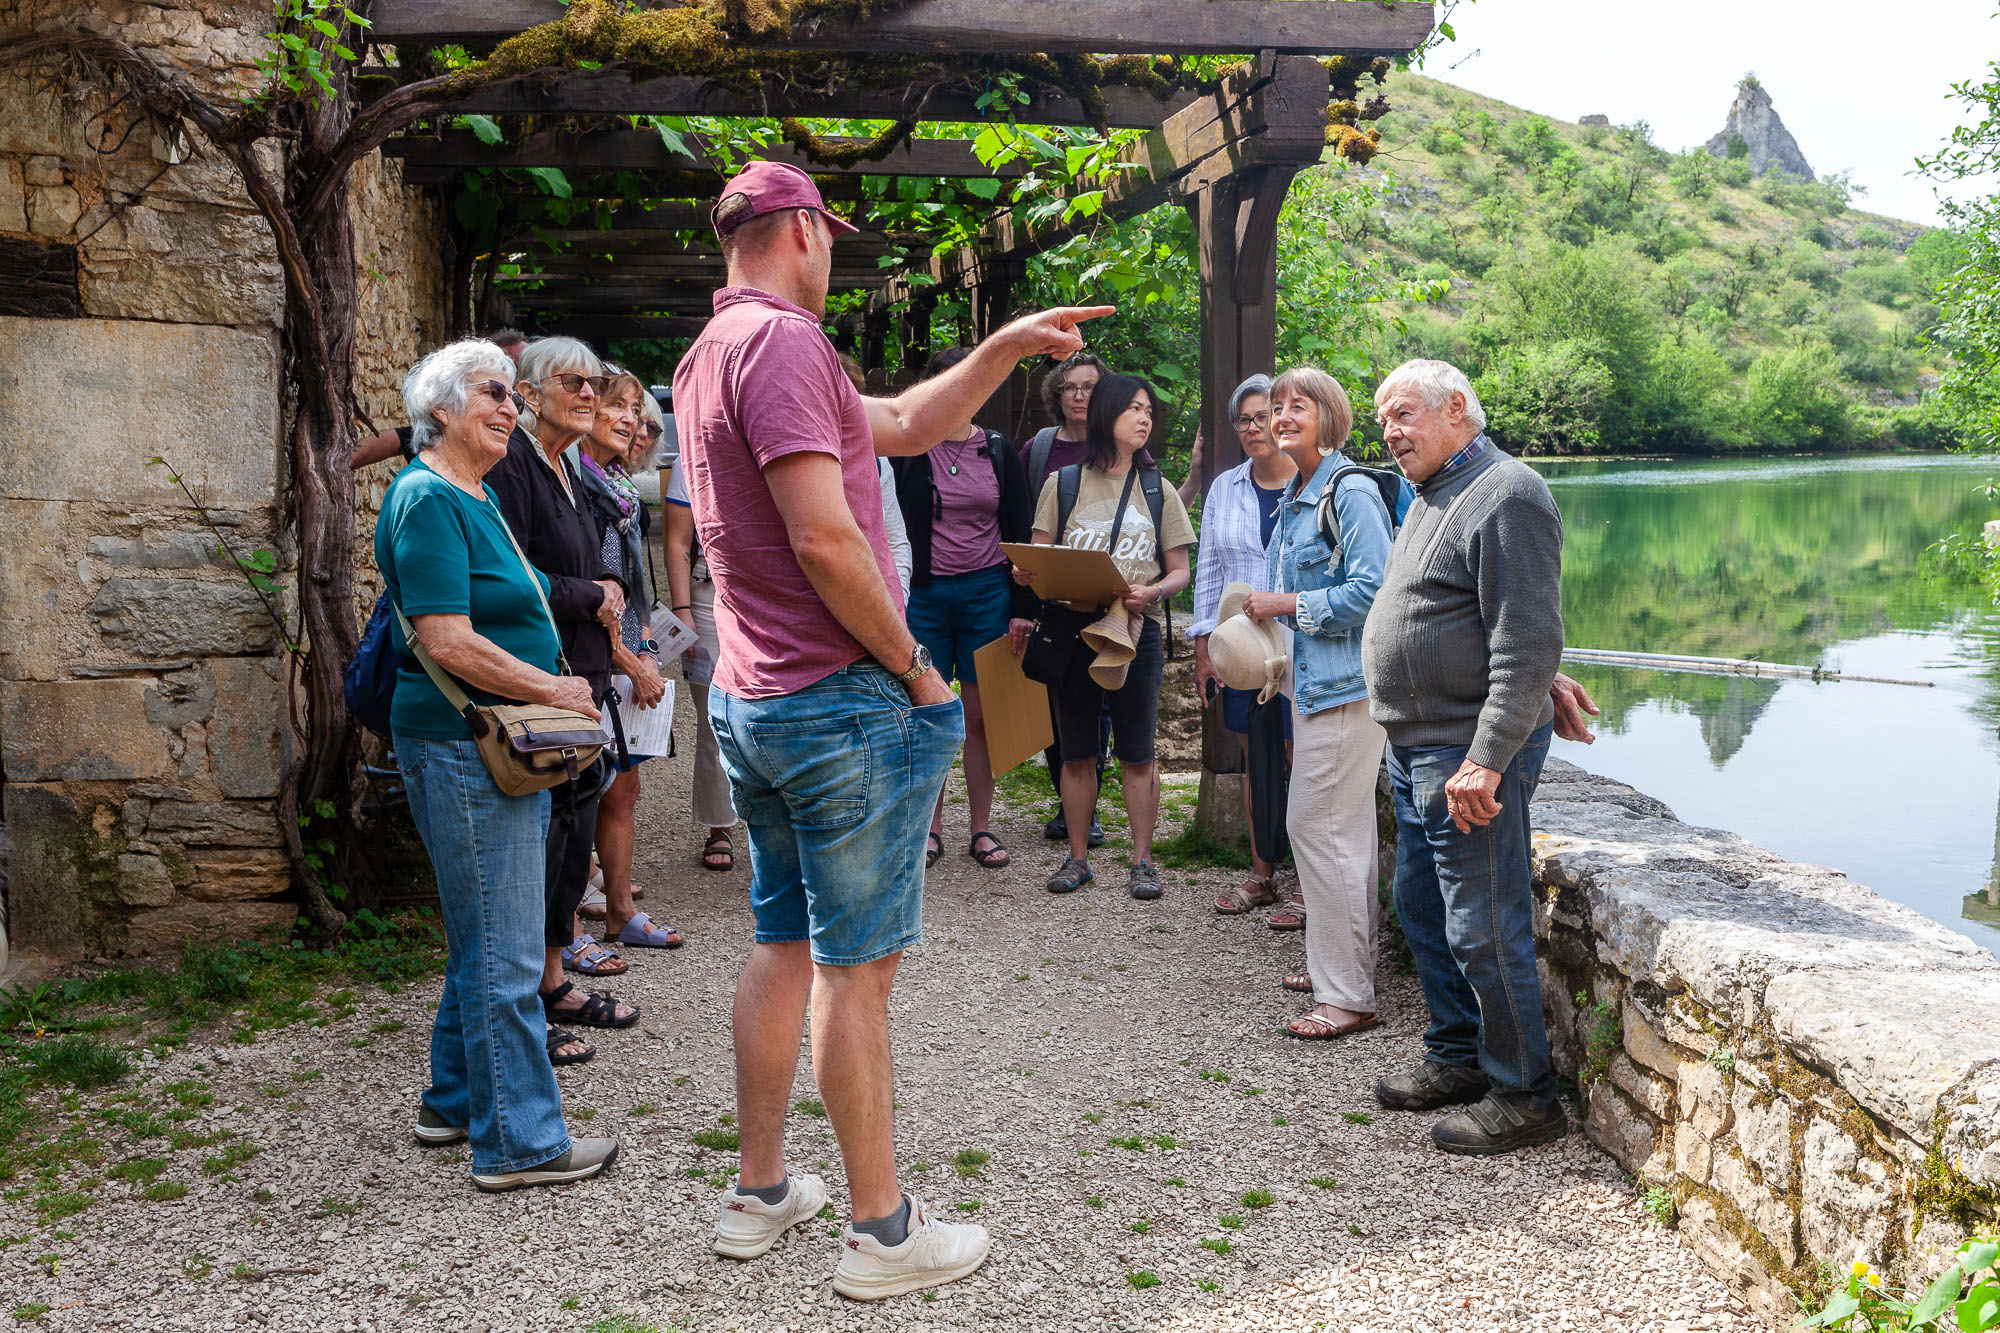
(959, 501)
(542, 497)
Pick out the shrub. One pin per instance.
(1547, 399)
(1792, 398)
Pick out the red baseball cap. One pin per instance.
(766, 187)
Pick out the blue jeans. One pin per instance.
(1466, 903)
(836, 785)
(490, 1066)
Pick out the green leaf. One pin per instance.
(675, 141)
(1837, 1309)
(1938, 1297)
(1980, 1310)
(1978, 1254)
(982, 187)
(552, 180)
(484, 128)
(1445, 31)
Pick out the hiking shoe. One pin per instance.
(1057, 829)
(433, 1130)
(1096, 838)
(1498, 1123)
(1146, 884)
(1431, 1085)
(933, 1254)
(1070, 876)
(585, 1158)
(746, 1226)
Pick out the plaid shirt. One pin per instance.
(1460, 459)
(1232, 546)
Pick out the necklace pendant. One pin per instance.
(952, 468)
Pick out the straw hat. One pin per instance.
(1248, 654)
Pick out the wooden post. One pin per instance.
(874, 340)
(992, 306)
(1236, 220)
(913, 333)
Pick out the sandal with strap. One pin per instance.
(641, 933)
(598, 1010)
(1255, 891)
(559, 1039)
(586, 955)
(1298, 981)
(1318, 1027)
(993, 857)
(1292, 916)
(718, 845)
(933, 849)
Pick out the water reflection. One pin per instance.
(1811, 562)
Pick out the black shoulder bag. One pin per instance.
(1054, 655)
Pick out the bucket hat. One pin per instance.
(1248, 654)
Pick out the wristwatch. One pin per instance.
(920, 665)
(650, 646)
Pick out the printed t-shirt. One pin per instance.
(759, 384)
(965, 525)
(444, 553)
(1090, 522)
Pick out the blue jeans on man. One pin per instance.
(1466, 904)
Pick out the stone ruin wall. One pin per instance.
(1811, 1071)
(142, 694)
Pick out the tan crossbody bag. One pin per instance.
(527, 747)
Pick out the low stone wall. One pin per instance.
(1811, 1070)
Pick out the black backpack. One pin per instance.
(1390, 486)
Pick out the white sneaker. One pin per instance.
(933, 1254)
(746, 1226)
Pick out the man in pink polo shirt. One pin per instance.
(834, 729)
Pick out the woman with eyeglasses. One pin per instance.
(1237, 519)
(541, 494)
(451, 567)
(959, 501)
(622, 441)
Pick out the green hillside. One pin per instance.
(1608, 294)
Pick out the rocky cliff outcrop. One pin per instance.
(1753, 117)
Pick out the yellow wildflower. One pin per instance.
(1874, 1279)
(1859, 1268)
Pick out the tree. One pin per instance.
(1547, 399)
(1968, 295)
(1793, 398)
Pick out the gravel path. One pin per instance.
(1120, 1063)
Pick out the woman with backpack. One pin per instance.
(959, 501)
(1112, 502)
(1326, 565)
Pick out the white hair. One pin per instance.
(649, 411)
(437, 384)
(1434, 382)
(543, 357)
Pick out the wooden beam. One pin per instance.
(600, 329)
(615, 91)
(1167, 27)
(641, 296)
(643, 150)
(622, 243)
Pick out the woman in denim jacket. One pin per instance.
(1337, 747)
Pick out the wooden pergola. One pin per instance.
(1227, 155)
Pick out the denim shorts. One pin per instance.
(958, 614)
(1134, 706)
(836, 785)
(1236, 705)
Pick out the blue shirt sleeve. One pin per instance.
(1364, 548)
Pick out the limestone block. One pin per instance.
(1647, 1046)
(168, 929)
(1618, 1129)
(246, 737)
(182, 617)
(215, 824)
(111, 413)
(239, 874)
(143, 881)
(159, 550)
(1702, 1231)
(45, 897)
(1760, 1207)
(53, 210)
(80, 730)
(1846, 1207)
(1905, 1045)
(31, 585)
(1704, 1100)
(1764, 1135)
(1655, 1095)
(1694, 1156)
(13, 198)
(43, 170)
(180, 698)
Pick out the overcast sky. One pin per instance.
(1863, 86)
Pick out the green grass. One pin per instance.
(1217, 1243)
(971, 1205)
(810, 1106)
(1095, 1201)
(31, 1310)
(1142, 1280)
(1258, 1198)
(1230, 1221)
(971, 1161)
(1142, 1226)
(1174, 1180)
(166, 1191)
(1357, 1117)
(1195, 847)
(1323, 1182)
(58, 1204)
(140, 1170)
(235, 1155)
(721, 1140)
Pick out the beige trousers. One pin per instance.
(713, 804)
(1331, 819)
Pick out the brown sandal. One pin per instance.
(1255, 891)
(1318, 1027)
(719, 845)
(993, 856)
(1292, 916)
(1298, 981)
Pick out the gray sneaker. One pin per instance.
(1070, 876)
(585, 1158)
(1431, 1085)
(1146, 884)
(1498, 1123)
(433, 1130)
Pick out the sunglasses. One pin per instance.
(572, 382)
(650, 431)
(493, 389)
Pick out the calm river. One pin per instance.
(1810, 561)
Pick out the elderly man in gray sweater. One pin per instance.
(1460, 653)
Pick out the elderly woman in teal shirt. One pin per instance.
(478, 611)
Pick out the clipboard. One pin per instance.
(1016, 708)
(1066, 574)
